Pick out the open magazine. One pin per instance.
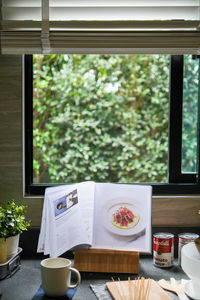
(97, 215)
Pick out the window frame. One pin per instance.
(178, 183)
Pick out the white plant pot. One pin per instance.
(12, 246)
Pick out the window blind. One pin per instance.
(91, 26)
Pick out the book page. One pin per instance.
(41, 240)
(122, 217)
(47, 227)
(69, 217)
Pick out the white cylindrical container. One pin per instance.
(184, 239)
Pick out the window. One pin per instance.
(184, 125)
(109, 118)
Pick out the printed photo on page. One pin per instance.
(62, 204)
(122, 217)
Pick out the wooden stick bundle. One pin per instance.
(138, 289)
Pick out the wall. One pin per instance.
(166, 211)
(11, 179)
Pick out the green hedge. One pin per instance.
(101, 117)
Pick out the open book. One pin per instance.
(97, 215)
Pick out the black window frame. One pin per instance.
(178, 183)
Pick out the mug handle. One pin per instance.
(78, 277)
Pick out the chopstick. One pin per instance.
(147, 289)
(140, 281)
(121, 287)
(118, 289)
(131, 289)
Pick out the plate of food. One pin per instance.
(123, 217)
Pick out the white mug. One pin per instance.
(56, 276)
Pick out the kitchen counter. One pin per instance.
(24, 283)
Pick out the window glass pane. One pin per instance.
(101, 118)
(190, 110)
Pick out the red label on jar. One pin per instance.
(163, 249)
(163, 245)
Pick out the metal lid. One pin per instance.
(188, 235)
(164, 235)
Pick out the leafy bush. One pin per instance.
(12, 219)
(101, 117)
(190, 114)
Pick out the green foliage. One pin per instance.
(12, 219)
(190, 114)
(101, 118)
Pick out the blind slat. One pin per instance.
(102, 13)
(113, 3)
(104, 25)
(21, 3)
(124, 13)
(21, 13)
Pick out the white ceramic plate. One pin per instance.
(190, 291)
(132, 228)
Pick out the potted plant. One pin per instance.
(12, 223)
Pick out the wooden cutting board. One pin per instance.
(156, 292)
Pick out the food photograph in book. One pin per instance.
(124, 218)
(124, 221)
(62, 204)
